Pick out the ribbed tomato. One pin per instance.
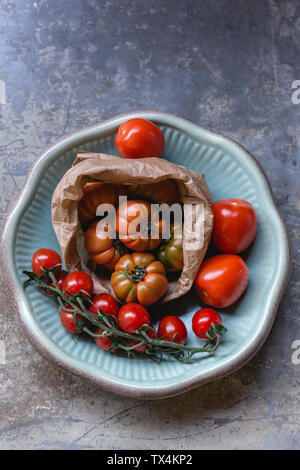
(136, 229)
(164, 192)
(138, 277)
(221, 280)
(103, 248)
(95, 194)
(170, 254)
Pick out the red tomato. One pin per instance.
(143, 347)
(59, 280)
(132, 316)
(202, 321)
(221, 280)
(45, 258)
(106, 303)
(170, 326)
(235, 225)
(139, 138)
(68, 321)
(103, 343)
(77, 281)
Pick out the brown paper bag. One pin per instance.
(89, 167)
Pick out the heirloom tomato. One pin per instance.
(170, 254)
(95, 194)
(139, 138)
(138, 277)
(221, 280)
(103, 248)
(164, 192)
(136, 229)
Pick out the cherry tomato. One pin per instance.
(221, 280)
(77, 281)
(45, 258)
(139, 138)
(132, 316)
(104, 342)
(235, 225)
(106, 303)
(202, 321)
(143, 347)
(68, 321)
(59, 280)
(172, 327)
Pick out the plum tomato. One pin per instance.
(202, 321)
(139, 138)
(235, 225)
(133, 316)
(106, 303)
(67, 320)
(78, 281)
(45, 258)
(221, 280)
(172, 327)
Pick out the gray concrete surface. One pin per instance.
(229, 65)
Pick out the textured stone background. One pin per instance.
(229, 66)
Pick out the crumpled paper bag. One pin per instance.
(87, 167)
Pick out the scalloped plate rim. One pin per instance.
(35, 334)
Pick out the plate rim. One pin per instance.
(10, 223)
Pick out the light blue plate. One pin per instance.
(230, 171)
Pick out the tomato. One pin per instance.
(45, 258)
(170, 254)
(95, 194)
(106, 303)
(171, 327)
(138, 277)
(103, 248)
(135, 228)
(104, 342)
(78, 281)
(139, 138)
(235, 225)
(202, 321)
(67, 319)
(59, 277)
(133, 316)
(221, 280)
(164, 192)
(143, 348)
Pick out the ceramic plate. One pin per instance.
(230, 171)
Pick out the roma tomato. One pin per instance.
(235, 225)
(172, 328)
(135, 228)
(95, 194)
(221, 280)
(143, 347)
(138, 277)
(164, 192)
(103, 248)
(202, 321)
(133, 316)
(170, 254)
(139, 138)
(78, 281)
(68, 322)
(45, 258)
(59, 277)
(103, 342)
(106, 303)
